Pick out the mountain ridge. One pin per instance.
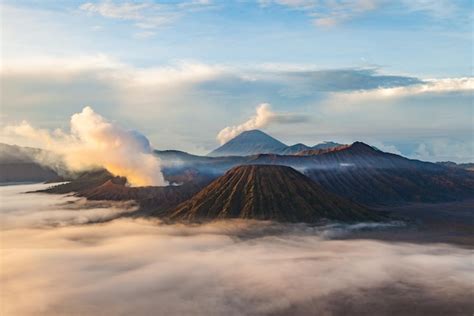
(255, 141)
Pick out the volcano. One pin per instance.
(268, 192)
(249, 143)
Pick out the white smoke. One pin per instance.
(95, 142)
(263, 116)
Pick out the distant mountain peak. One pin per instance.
(249, 143)
(361, 147)
(254, 132)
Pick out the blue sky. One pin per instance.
(397, 74)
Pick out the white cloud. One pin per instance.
(385, 147)
(344, 100)
(196, 4)
(434, 150)
(443, 149)
(112, 70)
(145, 15)
(340, 11)
(328, 13)
(435, 8)
(126, 11)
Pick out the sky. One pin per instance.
(395, 74)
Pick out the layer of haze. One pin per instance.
(57, 259)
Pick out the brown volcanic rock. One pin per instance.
(102, 185)
(152, 200)
(268, 192)
(84, 181)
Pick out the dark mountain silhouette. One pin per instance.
(249, 143)
(18, 164)
(25, 172)
(367, 175)
(356, 155)
(359, 172)
(326, 145)
(323, 150)
(296, 148)
(266, 192)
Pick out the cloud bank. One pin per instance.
(95, 142)
(429, 86)
(141, 267)
(342, 105)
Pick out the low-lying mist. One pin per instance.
(57, 260)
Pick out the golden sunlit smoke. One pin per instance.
(95, 142)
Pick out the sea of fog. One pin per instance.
(61, 255)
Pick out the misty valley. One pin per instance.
(256, 228)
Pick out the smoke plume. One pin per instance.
(95, 142)
(263, 116)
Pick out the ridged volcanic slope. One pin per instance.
(268, 192)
